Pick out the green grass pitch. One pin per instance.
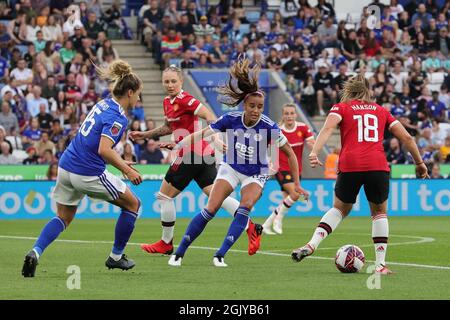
(419, 254)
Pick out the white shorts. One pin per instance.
(226, 172)
(71, 188)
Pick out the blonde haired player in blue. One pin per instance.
(82, 169)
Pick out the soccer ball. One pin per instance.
(349, 259)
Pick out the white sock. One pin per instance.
(328, 223)
(284, 207)
(37, 254)
(231, 205)
(268, 223)
(168, 217)
(380, 234)
(116, 257)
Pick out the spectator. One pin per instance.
(340, 79)
(92, 26)
(32, 158)
(44, 118)
(323, 84)
(442, 43)
(8, 120)
(57, 132)
(50, 90)
(52, 172)
(22, 74)
(327, 33)
(187, 62)
(171, 47)
(152, 154)
(52, 30)
(44, 144)
(307, 95)
(17, 28)
(203, 28)
(71, 90)
(184, 29)
(338, 59)
(39, 43)
(288, 10)
(33, 132)
(422, 15)
(127, 154)
(395, 154)
(40, 74)
(6, 42)
(436, 107)
(436, 172)
(399, 79)
(237, 9)
(444, 150)
(6, 157)
(106, 49)
(351, 47)
(47, 157)
(397, 109)
(296, 68)
(263, 24)
(331, 164)
(35, 100)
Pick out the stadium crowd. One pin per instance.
(47, 78)
(48, 86)
(405, 58)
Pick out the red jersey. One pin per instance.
(296, 138)
(362, 128)
(181, 114)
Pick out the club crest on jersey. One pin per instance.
(115, 128)
(258, 137)
(300, 134)
(175, 107)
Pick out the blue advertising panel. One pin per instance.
(209, 82)
(32, 200)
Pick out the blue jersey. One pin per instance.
(248, 146)
(108, 119)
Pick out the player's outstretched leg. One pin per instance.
(168, 217)
(48, 234)
(194, 229)
(124, 228)
(328, 223)
(254, 230)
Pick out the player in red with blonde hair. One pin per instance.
(182, 112)
(362, 162)
(297, 134)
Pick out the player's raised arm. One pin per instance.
(109, 155)
(325, 133)
(405, 138)
(194, 137)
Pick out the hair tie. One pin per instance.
(257, 92)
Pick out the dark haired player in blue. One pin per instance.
(82, 169)
(249, 133)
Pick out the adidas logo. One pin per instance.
(380, 248)
(321, 233)
(230, 238)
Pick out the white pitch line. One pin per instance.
(232, 250)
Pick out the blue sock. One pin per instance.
(194, 229)
(124, 229)
(234, 232)
(50, 232)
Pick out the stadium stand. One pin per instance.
(313, 46)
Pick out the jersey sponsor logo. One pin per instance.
(115, 128)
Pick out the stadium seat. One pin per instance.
(5, 22)
(252, 16)
(176, 62)
(244, 28)
(23, 49)
(330, 52)
(368, 74)
(270, 15)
